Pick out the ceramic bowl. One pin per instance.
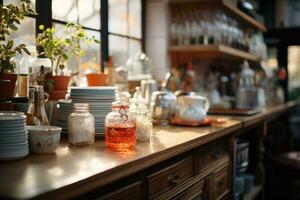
(43, 139)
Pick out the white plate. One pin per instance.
(14, 157)
(11, 117)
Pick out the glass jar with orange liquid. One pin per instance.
(120, 127)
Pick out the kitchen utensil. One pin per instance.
(247, 92)
(43, 139)
(13, 136)
(192, 108)
(81, 125)
(120, 127)
(163, 106)
(179, 122)
(183, 93)
(147, 88)
(99, 99)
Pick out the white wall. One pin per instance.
(157, 36)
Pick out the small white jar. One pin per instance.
(81, 125)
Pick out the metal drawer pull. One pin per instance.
(174, 179)
(215, 155)
(221, 182)
(4, 82)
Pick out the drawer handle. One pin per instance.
(174, 179)
(215, 155)
(221, 182)
(4, 82)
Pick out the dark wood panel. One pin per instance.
(221, 183)
(212, 154)
(131, 192)
(192, 193)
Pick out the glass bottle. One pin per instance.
(30, 108)
(81, 125)
(23, 81)
(120, 127)
(144, 124)
(40, 116)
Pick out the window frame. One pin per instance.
(45, 7)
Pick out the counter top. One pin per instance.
(265, 114)
(72, 171)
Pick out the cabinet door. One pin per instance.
(221, 183)
(170, 177)
(211, 156)
(194, 192)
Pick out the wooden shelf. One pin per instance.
(227, 7)
(253, 193)
(214, 51)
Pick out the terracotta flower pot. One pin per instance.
(57, 94)
(7, 85)
(96, 79)
(60, 82)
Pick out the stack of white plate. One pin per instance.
(99, 100)
(65, 108)
(13, 136)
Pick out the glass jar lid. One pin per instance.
(81, 107)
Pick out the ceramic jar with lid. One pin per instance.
(81, 125)
(120, 127)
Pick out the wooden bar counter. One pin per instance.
(77, 172)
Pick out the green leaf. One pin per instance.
(26, 51)
(10, 44)
(13, 27)
(19, 50)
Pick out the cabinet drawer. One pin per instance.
(221, 183)
(131, 192)
(195, 192)
(213, 154)
(170, 177)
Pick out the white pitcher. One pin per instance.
(192, 108)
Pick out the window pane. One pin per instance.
(135, 47)
(65, 10)
(26, 32)
(293, 67)
(89, 13)
(15, 2)
(117, 20)
(118, 49)
(91, 61)
(134, 18)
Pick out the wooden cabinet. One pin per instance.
(195, 192)
(170, 177)
(130, 192)
(201, 174)
(221, 183)
(211, 156)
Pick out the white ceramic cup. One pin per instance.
(43, 139)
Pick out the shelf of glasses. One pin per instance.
(226, 6)
(212, 51)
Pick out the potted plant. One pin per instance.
(11, 17)
(58, 50)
